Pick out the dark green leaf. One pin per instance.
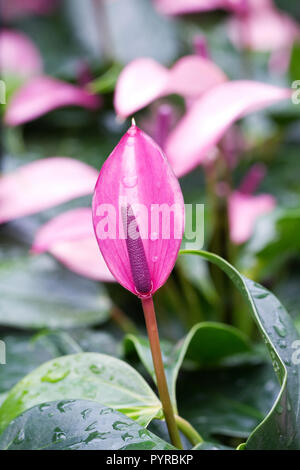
(89, 376)
(207, 343)
(35, 292)
(77, 425)
(281, 427)
(211, 446)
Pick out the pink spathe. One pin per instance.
(135, 178)
(244, 210)
(70, 238)
(19, 57)
(42, 184)
(43, 94)
(210, 116)
(144, 80)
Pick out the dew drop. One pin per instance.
(154, 259)
(56, 374)
(91, 426)
(20, 437)
(58, 435)
(85, 413)
(95, 435)
(120, 426)
(127, 436)
(282, 344)
(64, 405)
(280, 328)
(44, 406)
(154, 236)
(129, 181)
(97, 370)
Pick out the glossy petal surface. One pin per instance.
(137, 175)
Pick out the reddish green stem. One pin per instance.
(151, 324)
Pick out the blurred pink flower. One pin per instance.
(262, 27)
(145, 80)
(210, 117)
(70, 238)
(11, 9)
(43, 184)
(35, 94)
(138, 172)
(178, 7)
(18, 56)
(244, 208)
(43, 94)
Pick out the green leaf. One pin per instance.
(228, 401)
(89, 376)
(207, 343)
(281, 427)
(295, 62)
(106, 82)
(22, 356)
(35, 292)
(77, 425)
(211, 446)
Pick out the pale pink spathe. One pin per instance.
(70, 238)
(210, 116)
(43, 94)
(19, 57)
(145, 80)
(244, 210)
(42, 184)
(138, 172)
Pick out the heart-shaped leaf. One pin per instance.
(207, 343)
(281, 427)
(36, 293)
(77, 425)
(88, 376)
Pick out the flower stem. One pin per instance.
(188, 430)
(151, 324)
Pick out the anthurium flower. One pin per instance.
(145, 80)
(42, 184)
(262, 27)
(31, 94)
(210, 117)
(19, 58)
(70, 238)
(44, 94)
(134, 185)
(245, 208)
